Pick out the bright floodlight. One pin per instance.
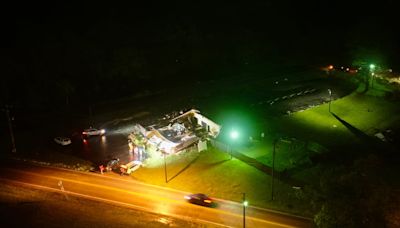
(245, 203)
(371, 66)
(234, 134)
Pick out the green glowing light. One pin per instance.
(245, 203)
(234, 134)
(371, 66)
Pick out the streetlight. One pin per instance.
(245, 203)
(371, 69)
(165, 168)
(330, 98)
(372, 81)
(234, 135)
(371, 66)
(276, 141)
(165, 161)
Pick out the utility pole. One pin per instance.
(372, 80)
(244, 209)
(165, 168)
(14, 149)
(330, 99)
(273, 169)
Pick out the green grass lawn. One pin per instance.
(288, 152)
(212, 172)
(364, 112)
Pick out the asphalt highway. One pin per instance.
(121, 190)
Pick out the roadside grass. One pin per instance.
(56, 159)
(288, 153)
(213, 173)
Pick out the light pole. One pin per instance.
(234, 135)
(330, 99)
(371, 69)
(245, 203)
(273, 169)
(7, 110)
(165, 168)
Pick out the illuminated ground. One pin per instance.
(369, 114)
(21, 207)
(212, 172)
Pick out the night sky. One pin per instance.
(102, 49)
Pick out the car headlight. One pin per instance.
(103, 131)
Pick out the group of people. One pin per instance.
(111, 165)
(103, 169)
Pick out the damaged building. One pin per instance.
(189, 129)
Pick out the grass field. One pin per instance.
(212, 172)
(366, 113)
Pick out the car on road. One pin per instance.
(62, 141)
(93, 132)
(199, 199)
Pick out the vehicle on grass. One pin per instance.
(93, 132)
(62, 141)
(200, 199)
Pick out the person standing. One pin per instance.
(122, 170)
(101, 167)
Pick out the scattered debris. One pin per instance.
(173, 136)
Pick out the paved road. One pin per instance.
(123, 191)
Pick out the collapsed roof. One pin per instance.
(180, 133)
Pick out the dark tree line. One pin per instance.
(64, 54)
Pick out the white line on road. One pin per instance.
(139, 207)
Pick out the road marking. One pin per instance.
(113, 202)
(144, 195)
(109, 177)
